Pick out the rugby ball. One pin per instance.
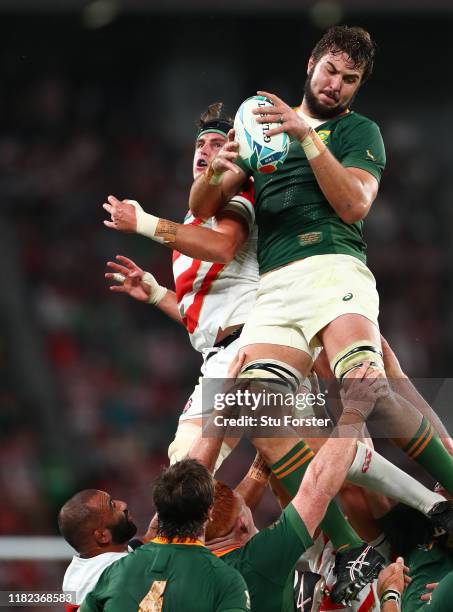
(260, 152)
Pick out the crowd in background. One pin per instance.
(115, 374)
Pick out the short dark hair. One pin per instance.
(214, 112)
(77, 519)
(355, 42)
(183, 495)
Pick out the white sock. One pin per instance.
(372, 471)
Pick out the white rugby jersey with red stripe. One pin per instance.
(321, 559)
(213, 296)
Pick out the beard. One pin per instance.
(317, 108)
(123, 530)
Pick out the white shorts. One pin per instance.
(295, 302)
(215, 366)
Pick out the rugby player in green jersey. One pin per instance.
(427, 554)
(174, 572)
(315, 289)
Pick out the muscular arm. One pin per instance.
(350, 191)
(254, 483)
(323, 479)
(206, 199)
(220, 244)
(327, 471)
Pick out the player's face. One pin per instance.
(206, 148)
(115, 517)
(331, 85)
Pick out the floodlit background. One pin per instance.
(101, 97)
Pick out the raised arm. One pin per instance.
(221, 180)
(254, 483)
(141, 286)
(220, 244)
(327, 471)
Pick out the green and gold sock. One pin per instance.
(290, 470)
(426, 448)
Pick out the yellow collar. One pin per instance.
(186, 541)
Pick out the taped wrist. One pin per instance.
(391, 595)
(156, 291)
(146, 223)
(213, 177)
(259, 470)
(312, 144)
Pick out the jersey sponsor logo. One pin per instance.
(348, 297)
(310, 238)
(370, 155)
(367, 461)
(324, 135)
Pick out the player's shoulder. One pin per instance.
(354, 120)
(247, 191)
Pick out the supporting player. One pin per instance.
(175, 571)
(267, 559)
(100, 529)
(315, 288)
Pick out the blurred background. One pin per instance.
(101, 97)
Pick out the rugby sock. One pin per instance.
(427, 449)
(372, 471)
(289, 471)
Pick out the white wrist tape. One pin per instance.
(146, 223)
(157, 292)
(312, 145)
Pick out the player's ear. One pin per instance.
(311, 64)
(103, 536)
(211, 513)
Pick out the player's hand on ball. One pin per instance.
(284, 116)
(129, 278)
(123, 216)
(225, 158)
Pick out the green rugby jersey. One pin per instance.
(268, 560)
(428, 563)
(181, 577)
(410, 535)
(294, 218)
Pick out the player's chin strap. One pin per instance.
(273, 373)
(353, 356)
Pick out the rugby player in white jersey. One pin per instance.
(212, 300)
